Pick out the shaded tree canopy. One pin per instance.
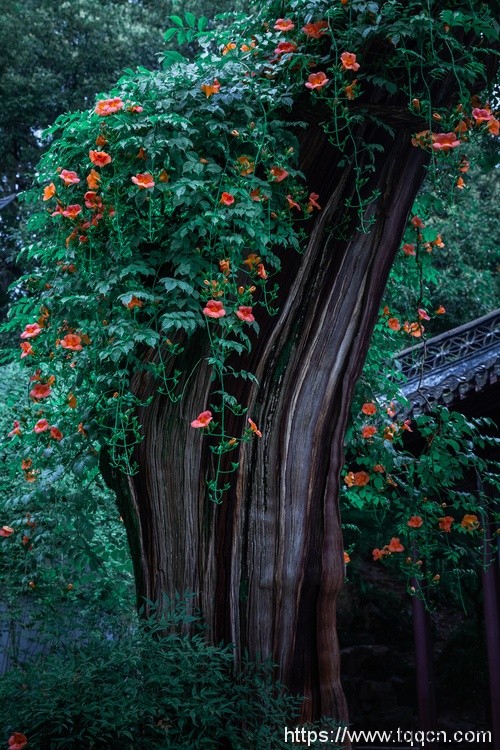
(55, 57)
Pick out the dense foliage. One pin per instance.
(137, 689)
(459, 275)
(55, 56)
(130, 201)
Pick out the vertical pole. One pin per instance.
(491, 604)
(426, 690)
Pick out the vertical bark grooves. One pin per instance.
(266, 565)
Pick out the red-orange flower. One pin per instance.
(316, 80)
(378, 554)
(285, 48)
(225, 266)
(470, 522)
(106, 107)
(72, 401)
(71, 212)
(313, 202)
(423, 139)
(481, 115)
(292, 203)
(395, 545)
(347, 559)
(202, 420)
(251, 261)
(16, 430)
(144, 181)
(369, 408)
(93, 200)
(227, 199)
(462, 127)
(423, 314)
(414, 329)
(361, 478)
(254, 428)
(93, 179)
(368, 431)
(55, 433)
(209, 89)
(440, 310)
(261, 271)
(409, 248)
(284, 24)
(6, 531)
(444, 141)
(41, 426)
(228, 48)
(460, 184)
(99, 158)
(49, 191)
(417, 222)
(26, 464)
(40, 390)
(278, 174)
(494, 126)
(69, 177)
(133, 302)
(214, 309)
(445, 523)
(315, 30)
(348, 60)
(246, 165)
(30, 331)
(17, 741)
(415, 522)
(390, 431)
(72, 342)
(394, 324)
(350, 90)
(464, 164)
(245, 314)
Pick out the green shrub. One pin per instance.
(150, 688)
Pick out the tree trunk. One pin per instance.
(267, 563)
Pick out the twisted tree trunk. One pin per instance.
(267, 564)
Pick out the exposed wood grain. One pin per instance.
(267, 564)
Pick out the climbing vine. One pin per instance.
(166, 211)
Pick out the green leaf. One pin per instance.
(190, 19)
(169, 34)
(170, 284)
(177, 20)
(171, 57)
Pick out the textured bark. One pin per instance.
(267, 564)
